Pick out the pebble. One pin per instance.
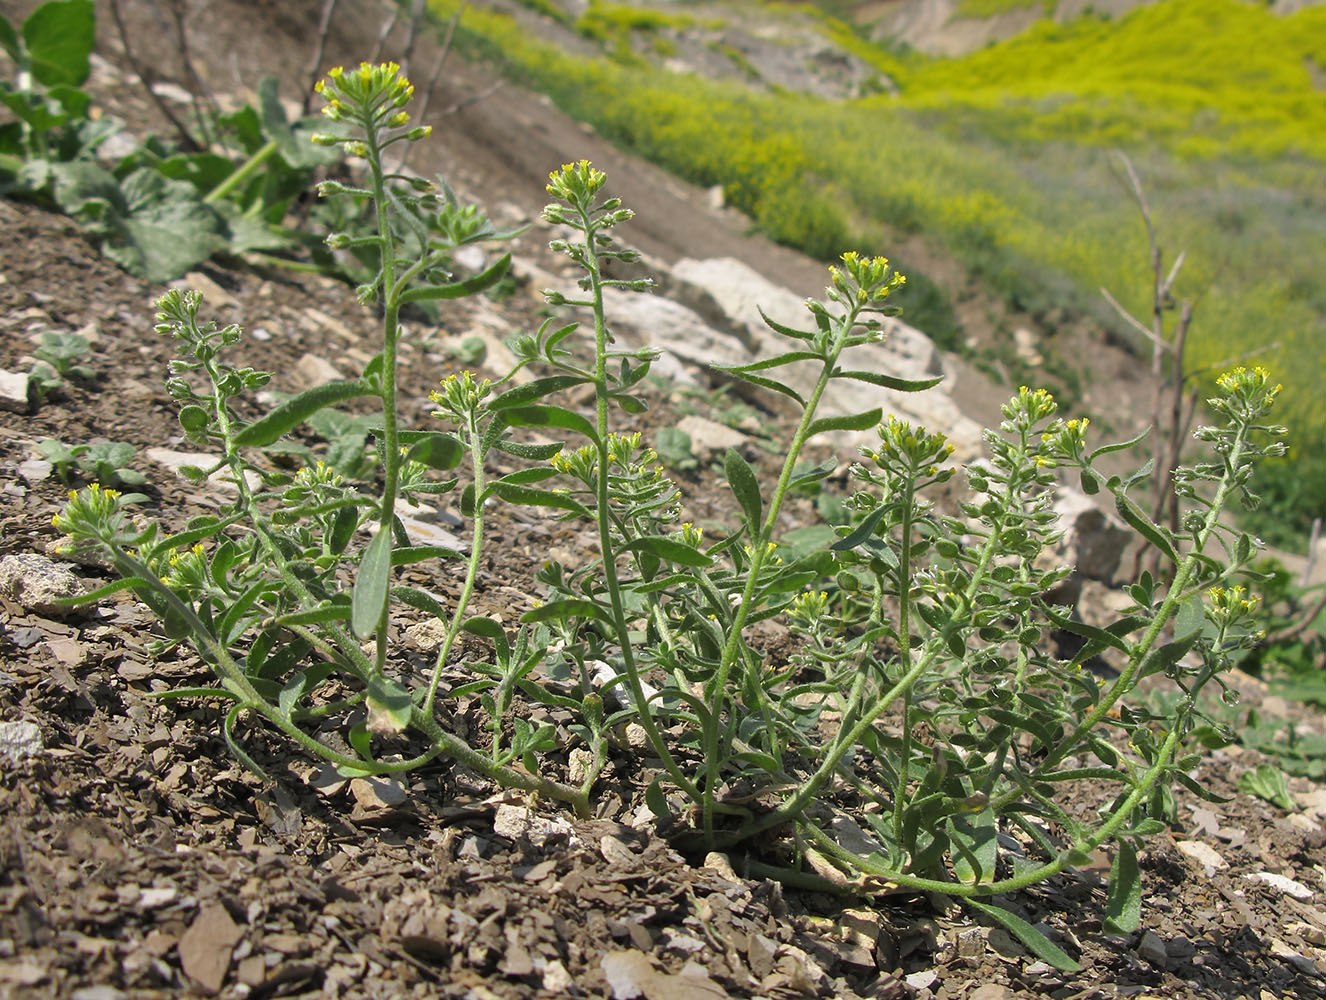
(37, 584)
(18, 393)
(20, 741)
(1203, 854)
(1152, 949)
(1288, 886)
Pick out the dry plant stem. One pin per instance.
(146, 77)
(315, 64)
(199, 93)
(432, 83)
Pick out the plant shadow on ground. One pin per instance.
(139, 855)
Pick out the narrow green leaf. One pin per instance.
(1143, 525)
(786, 331)
(296, 410)
(772, 384)
(549, 416)
(1121, 446)
(420, 600)
(669, 549)
(371, 585)
(1201, 791)
(890, 381)
(316, 616)
(530, 497)
(460, 289)
(657, 800)
(850, 422)
(746, 488)
(524, 477)
(491, 630)
(437, 451)
(777, 361)
(423, 553)
(567, 608)
(1123, 912)
(530, 391)
(533, 452)
(862, 531)
(1037, 943)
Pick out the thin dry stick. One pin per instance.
(315, 64)
(148, 78)
(200, 93)
(386, 30)
(416, 20)
(432, 84)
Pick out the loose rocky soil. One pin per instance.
(138, 860)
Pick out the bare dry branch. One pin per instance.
(148, 78)
(386, 30)
(1131, 320)
(315, 64)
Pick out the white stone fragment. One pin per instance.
(36, 583)
(19, 741)
(1288, 886)
(17, 392)
(1204, 854)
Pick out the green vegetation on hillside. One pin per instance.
(1002, 158)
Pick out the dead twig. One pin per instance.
(148, 78)
(319, 50)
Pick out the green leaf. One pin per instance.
(420, 600)
(567, 608)
(669, 549)
(1190, 618)
(296, 410)
(975, 846)
(388, 704)
(316, 616)
(59, 38)
(423, 553)
(491, 630)
(777, 361)
(163, 230)
(771, 384)
(746, 488)
(850, 422)
(657, 800)
(371, 585)
(1123, 913)
(460, 289)
(530, 497)
(549, 416)
(532, 452)
(786, 331)
(1267, 782)
(1036, 942)
(1143, 525)
(530, 391)
(437, 451)
(890, 381)
(862, 531)
(1201, 791)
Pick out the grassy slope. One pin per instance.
(1003, 158)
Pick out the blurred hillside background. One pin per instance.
(976, 142)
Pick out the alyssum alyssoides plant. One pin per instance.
(923, 715)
